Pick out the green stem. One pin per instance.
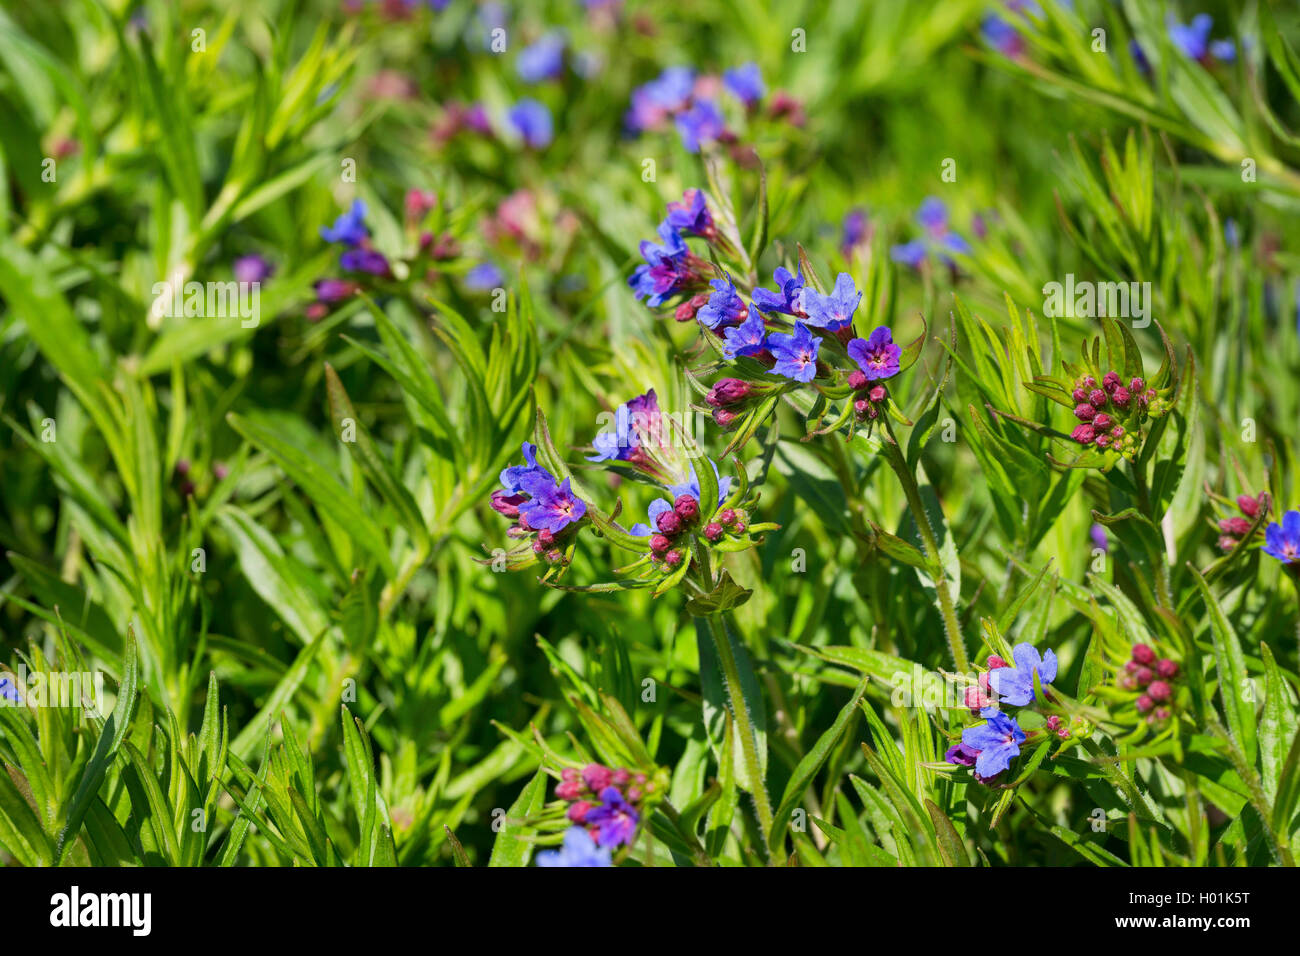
(947, 608)
(744, 724)
(697, 851)
(1161, 567)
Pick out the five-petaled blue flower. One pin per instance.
(746, 338)
(1282, 541)
(532, 121)
(997, 742)
(745, 83)
(550, 507)
(796, 354)
(876, 355)
(350, 227)
(615, 819)
(788, 297)
(832, 312)
(725, 306)
(484, 276)
(666, 267)
(1015, 685)
(578, 849)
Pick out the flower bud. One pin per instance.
(1103, 421)
(1144, 703)
(1160, 690)
(1143, 654)
(1097, 398)
(727, 516)
(686, 508)
(659, 543)
(877, 394)
(1234, 526)
(569, 790)
(684, 312)
(728, 391)
(621, 777)
(713, 531)
(1084, 434)
(1144, 675)
(740, 527)
(1121, 397)
(724, 418)
(577, 812)
(672, 558)
(1103, 441)
(994, 662)
(1080, 394)
(1167, 668)
(669, 523)
(538, 547)
(1110, 382)
(858, 380)
(1249, 505)
(596, 777)
(861, 408)
(1085, 412)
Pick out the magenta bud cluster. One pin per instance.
(1154, 678)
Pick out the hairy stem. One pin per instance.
(947, 608)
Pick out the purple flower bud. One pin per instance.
(1160, 690)
(728, 391)
(1102, 421)
(659, 543)
(669, 523)
(577, 812)
(1080, 394)
(686, 508)
(1249, 505)
(1121, 397)
(568, 790)
(1143, 654)
(1144, 703)
(1167, 669)
(1085, 412)
(1110, 382)
(596, 777)
(673, 558)
(713, 531)
(727, 516)
(1084, 434)
(723, 418)
(877, 394)
(1144, 675)
(1235, 526)
(858, 380)
(1097, 398)
(1136, 386)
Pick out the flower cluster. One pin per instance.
(991, 746)
(1234, 528)
(607, 803)
(1153, 680)
(692, 104)
(546, 511)
(1112, 413)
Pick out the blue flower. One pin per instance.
(615, 819)
(1282, 541)
(350, 227)
(578, 849)
(854, 230)
(532, 120)
(512, 477)
(666, 271)
(933, 218)
(692, 485)
(691, 215)
(877, 356)
(1002, 36)
(1193, 39)
(832, 312)
(550, 507)
(725, 306)
(997, 743)
(796, 354)
(9, 690)
(364, 260)
(1015, 685)
(746, 338)
(542, 60)
(702, 123)
(634, 420)
(745, 83)
(788, 298)
(484, 276)
(655, 101)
